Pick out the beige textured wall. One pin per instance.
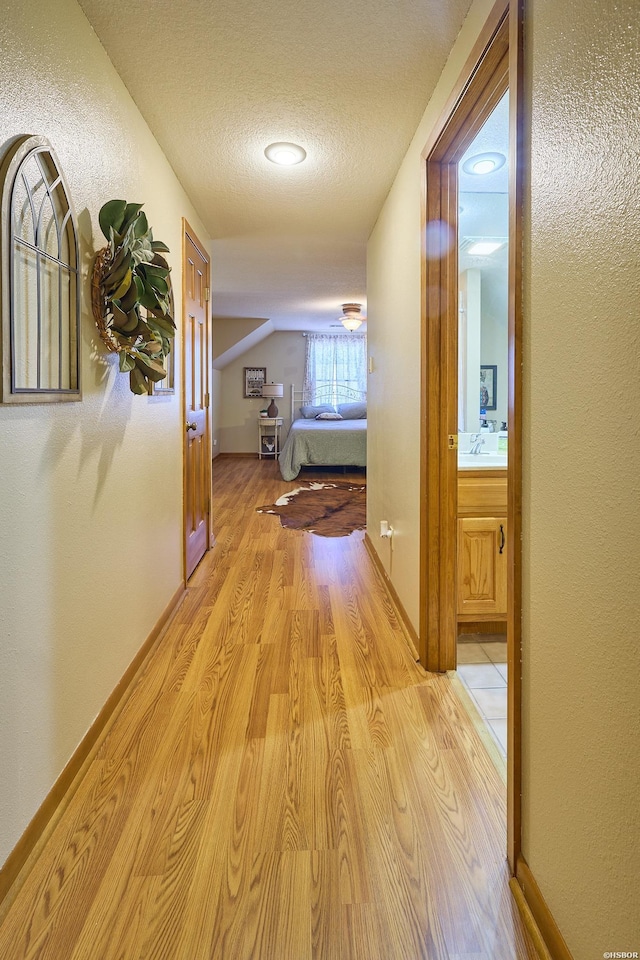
(90, 492)
(581, 471)
(393, 314)
(282, 353)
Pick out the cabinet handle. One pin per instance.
(501, 538)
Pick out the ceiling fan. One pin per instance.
(351, 317)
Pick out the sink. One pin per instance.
(482, 461)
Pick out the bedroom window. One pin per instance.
(40, 278)
(335, 368)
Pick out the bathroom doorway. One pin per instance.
(471, 513)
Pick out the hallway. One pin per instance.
(284, 781)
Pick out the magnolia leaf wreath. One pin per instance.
(130, 276)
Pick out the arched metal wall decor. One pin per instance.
(40, 342)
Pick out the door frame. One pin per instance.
(494, 65)
(189, 232)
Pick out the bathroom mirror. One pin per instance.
(483, 230)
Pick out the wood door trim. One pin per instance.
(483, 44)
(514, 473)
(437, 533)
(189, 232)
(494, 65)
(193, 236)
(481, 93)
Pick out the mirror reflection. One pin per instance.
(483, 284)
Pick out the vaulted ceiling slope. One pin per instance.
(218, 80)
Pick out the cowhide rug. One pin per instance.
(328, 509)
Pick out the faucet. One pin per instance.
(476, 441)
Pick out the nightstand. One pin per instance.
(269, 437)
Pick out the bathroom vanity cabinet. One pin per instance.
(482, 546)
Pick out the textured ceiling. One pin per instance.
(218, 80)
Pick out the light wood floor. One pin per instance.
(284, 782)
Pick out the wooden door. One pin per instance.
(482, 567)
(197, 457)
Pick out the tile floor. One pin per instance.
(482, 668)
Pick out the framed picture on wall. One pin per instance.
(254, 379)
(488, 386)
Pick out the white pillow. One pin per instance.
(329, 416)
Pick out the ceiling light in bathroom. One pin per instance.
(484, 163)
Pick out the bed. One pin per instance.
(326, 441)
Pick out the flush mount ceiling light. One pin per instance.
(286, 154)
(351, 318)
(484, 163)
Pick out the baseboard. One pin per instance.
(412, 636)
(536, 915)
(17, 865)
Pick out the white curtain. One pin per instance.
(335, 368)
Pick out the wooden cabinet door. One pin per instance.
(482, 567)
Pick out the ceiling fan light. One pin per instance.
(351, 318)
(351, 323)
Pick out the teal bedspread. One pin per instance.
(323, 443)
